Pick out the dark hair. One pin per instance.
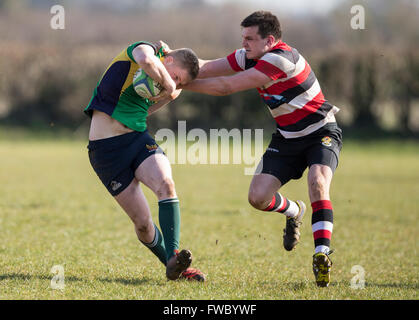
(267, 22)
(186, 59)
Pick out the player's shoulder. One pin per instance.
(129, 50)
(281, 50)
(143, 43)
(282, 56)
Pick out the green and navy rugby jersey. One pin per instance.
(115, 94)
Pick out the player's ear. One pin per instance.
(270, 40)
(168, 60)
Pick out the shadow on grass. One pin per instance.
(303, 285)
(128, 281)
(124, 281)
(307, 284)
(298, 286)
(22, 276)
(414, 286)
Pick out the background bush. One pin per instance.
(47, 76)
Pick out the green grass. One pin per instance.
(54, 211)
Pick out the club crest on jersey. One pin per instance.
(152, 147)
(327, 141)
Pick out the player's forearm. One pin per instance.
(204, 71)
(154, 67)
(213, 86)
(202, 63)
(161, 103)
(214, 68)
(156, 70)
(158, 105)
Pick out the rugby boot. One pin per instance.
(178, 264)
(192, 274)
(321, 268)
(292, 228)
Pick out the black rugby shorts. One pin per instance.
(287, 159)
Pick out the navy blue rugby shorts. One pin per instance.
(115, 159)
(287, 159)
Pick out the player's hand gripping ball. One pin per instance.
(145, 86)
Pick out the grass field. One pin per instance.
(54, 211)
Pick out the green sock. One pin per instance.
(157, 246)
(169, 218)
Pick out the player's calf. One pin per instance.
(283, 205)
(322, 227)
(293, 210)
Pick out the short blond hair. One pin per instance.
(187, 59)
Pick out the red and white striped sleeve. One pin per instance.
(237, 60)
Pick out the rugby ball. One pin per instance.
(144, 85)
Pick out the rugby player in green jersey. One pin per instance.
(123, 154)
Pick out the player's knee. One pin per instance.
(167, 188)
(257, 199)
(143, 226)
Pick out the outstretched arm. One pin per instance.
(214, 68)
(207, 68)
(222, 86)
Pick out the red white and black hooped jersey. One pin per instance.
(294, 96)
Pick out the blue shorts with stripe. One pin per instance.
(115, 159)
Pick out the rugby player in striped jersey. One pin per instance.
(307, 134)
